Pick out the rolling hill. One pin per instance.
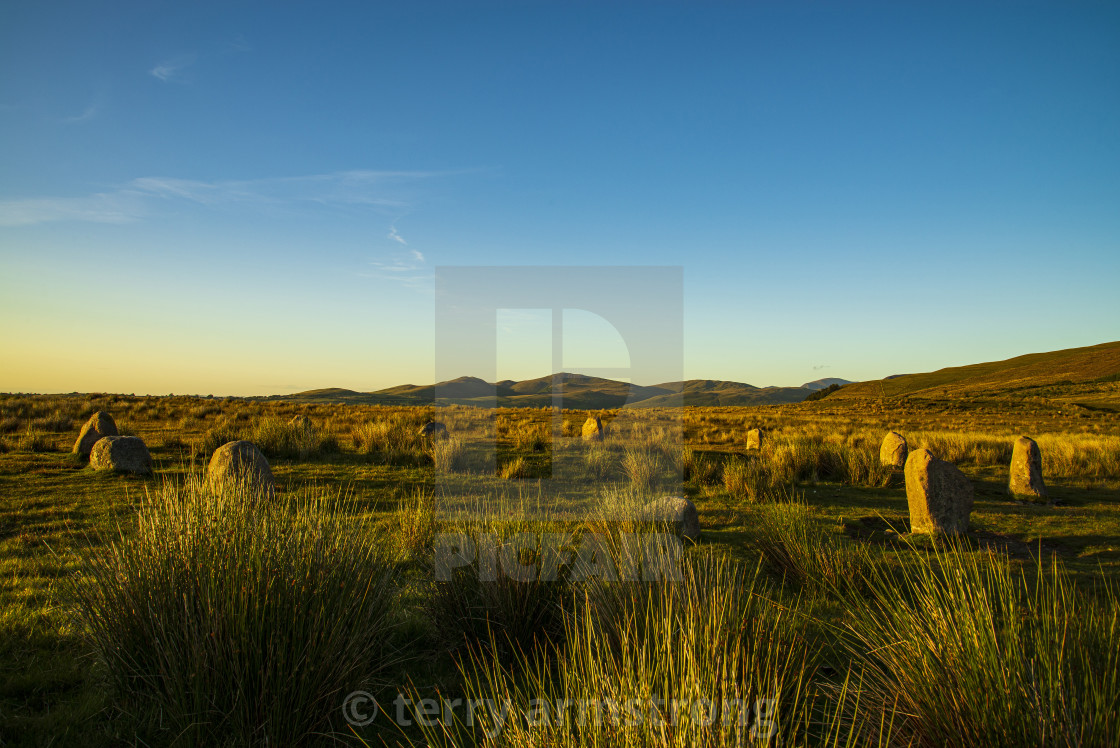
(1073, 367)
(579, 391)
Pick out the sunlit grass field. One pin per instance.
(804, 588)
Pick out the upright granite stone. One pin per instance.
(893, 450)
(124, 454)
(754, 439)
(939, 495)
(1026, 469)
(676, 511)
(433, 428)
(593, 428)
(99, 425)
(240, 461)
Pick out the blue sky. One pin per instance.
(245, 198)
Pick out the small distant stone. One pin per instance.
(593, 428)
(302, 423)
(754, 439)
(240, 461)
(99, 425)
(676, 511)
(893, 450)
(938, 494)
(433, 428)
(124, 454)
(1026, 469)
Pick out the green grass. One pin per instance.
(812, 572)
(229, 618)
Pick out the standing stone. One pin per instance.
(939, 495)
(124, 454)
(593, 428)
(1026, 469)
(240, 461)
(676, 511)
(100, 424)
(893, 450)
(301, 423)
(754, 439)
(433, 428)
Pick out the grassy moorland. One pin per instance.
(156, 611)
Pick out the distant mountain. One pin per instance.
(820, 384)
(1072, 366)
(579, 391)
(1080, 376)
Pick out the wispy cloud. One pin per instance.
(87, 114)
(409, 270)
(346, 190)
(395, 236)
(102, 207)
(173, 68)
(818, 367)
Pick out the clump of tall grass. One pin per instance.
(1080, 456)
(745, 478)
(643, 467)
(392, 439)
(709, 659)
(967, 448)
(295, 439)
(973, 651)
(447, 453)
(232, 618)
(513, 469)
(798, 548)
(275, 437)
(414, 525)
(33, 440)
(497, 585)
(57, 422)
(598, 461)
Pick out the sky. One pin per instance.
(256, 198)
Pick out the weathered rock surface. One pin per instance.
(1026, 469)
(754, 439)
(433, 428)
(124, 454)
(894, 449)
(99, 425)
(938, 494)
(676, 511)
(240, 461)
(593, 428)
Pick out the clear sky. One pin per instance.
(252, 198)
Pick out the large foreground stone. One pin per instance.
(593, 428)
(939, 495)
(1026, 469)
(676, 511)
(124, 454)
(754, 439)
(99, 425)
(893, 451)
(240, 461)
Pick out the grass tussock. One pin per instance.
(798, 548)
(228, 617)
(681, 663)
(969, 650)
(498, 585)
